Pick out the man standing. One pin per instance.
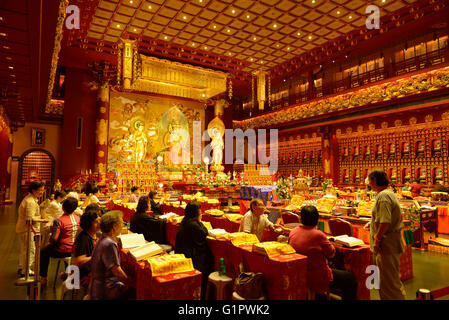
(255, 221)
(386, 236)
(29, 212)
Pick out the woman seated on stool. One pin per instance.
(63, 233)
(85, 242)
(191, 241)
(313, 243)
(109, 281)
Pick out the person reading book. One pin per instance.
(141, 222)
(109, 281)
(255, 221)
(307, 240)
(191, 241)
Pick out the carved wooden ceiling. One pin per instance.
(235, 36)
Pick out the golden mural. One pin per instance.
(142, 127)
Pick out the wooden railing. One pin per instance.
(353, 81)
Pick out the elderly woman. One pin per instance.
(108, 280)
(155, 207)
(191, 241)
(85, 242)
(141, 222)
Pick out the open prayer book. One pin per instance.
(273, 248)
(131, 240)
(146, 251)
(347, 241)
(217, 233)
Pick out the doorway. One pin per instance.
(35, 164)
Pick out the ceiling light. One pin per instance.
(135, 29)
(203, 94)
(131, 1)
(247, 17)
(275, 26)
(215, 27)
(201, 1)
(277, 45)
(233, 11)
(205, 48)
(193, 44)
(184, 17)
(118, 26)
(252, 59)
(254, 38)
(149, 7)
(230, 54)
(165, 37)
(229, 30)
(13, 75)
(3, 34)
(288, 48)
(261, 61)
(11, 67)
(350, 17)
(310, 37)
(1, 18)
(299, 33)
(338, 12)
(313, 1)
(383, 1)
(6, 47)
(14, 82)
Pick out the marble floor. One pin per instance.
(430, 269)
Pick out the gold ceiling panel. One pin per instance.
(174, 4)
(355, 4)
(286, 5)
(217, 6)
(262, 30)
(107, 5)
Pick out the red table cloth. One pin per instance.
(355, 259)
(284, 276)
(127, 213)
(221, 223)
(176, 286)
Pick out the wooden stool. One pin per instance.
(236, 296)
(220, 283)
(64, 260)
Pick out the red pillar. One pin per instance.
(101, 134)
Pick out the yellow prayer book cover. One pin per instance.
(207, 225)
(326, 204)
(238, 238)
(235, 217)
(170, 263)
(273, 248)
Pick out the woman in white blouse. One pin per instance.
(52, 212)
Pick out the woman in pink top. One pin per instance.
(311, 242)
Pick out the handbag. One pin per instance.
(249, 285)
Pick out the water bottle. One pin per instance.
(221, 267)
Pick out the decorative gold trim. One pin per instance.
(55, 56)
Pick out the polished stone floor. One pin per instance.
(430, 269)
